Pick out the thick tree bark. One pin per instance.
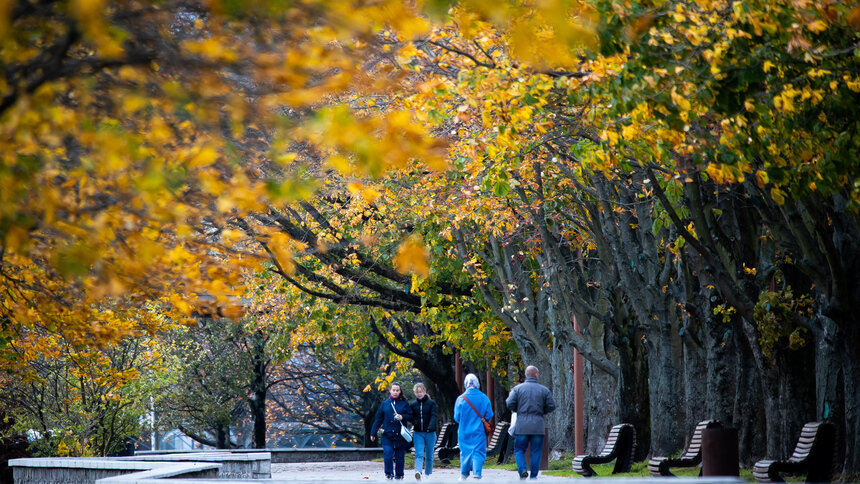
(645, 272)
(222, 437)
(258, 410)
(259, 388)
(748, 402)
(851, 370)
(632, 395)
(368, 415)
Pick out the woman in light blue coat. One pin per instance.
(470, 433)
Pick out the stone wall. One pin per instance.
(130, 469)
(291, 455)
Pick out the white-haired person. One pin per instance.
(469, 409)
(424, 414)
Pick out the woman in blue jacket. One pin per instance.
(470, 433)
(394, 410)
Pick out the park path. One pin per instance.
(372, 472)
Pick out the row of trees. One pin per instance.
(678, 178)
(691, 204)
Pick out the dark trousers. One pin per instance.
(397, 455)
(523, 442)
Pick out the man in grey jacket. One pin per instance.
(531, 401)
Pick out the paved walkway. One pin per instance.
(361, 472)
(372, 472)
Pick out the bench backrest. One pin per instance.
(694, 449)
(443, 432)
(612, 440)
(815, 438)
(496, 438)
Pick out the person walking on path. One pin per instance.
(531, 401)
(469, 409)
(424, 412)
(392, 414)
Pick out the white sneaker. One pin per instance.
(417, 476)
(462, 478)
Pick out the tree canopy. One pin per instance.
(678, 177)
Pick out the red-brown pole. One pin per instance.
(491, 392)
(458, 370)
(578, 424)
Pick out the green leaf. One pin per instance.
(501, 188)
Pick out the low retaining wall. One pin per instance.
(106, 470)
(68, 470)
(234, 465)
(289, 455)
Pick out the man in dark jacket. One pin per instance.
(531, 401)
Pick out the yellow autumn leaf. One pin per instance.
(854, 17)
(817, 26)
(339, 163)
(206, 156)
(279, 244)
(777, 195)
(212, 49)
(761, 178)
(412, 257)
(370, 194)
(714, 170)
(680, 101)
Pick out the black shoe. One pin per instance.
(398, 478)
(389, 476)
(524, 475)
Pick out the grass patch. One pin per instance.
(564, 468)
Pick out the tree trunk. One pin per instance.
(666, 389)
(445, 396)
(848, 343)
(369, 409)
(222, 437)
(720, 356)
(748, 402)
(259, 387)
(258, 410)
(560, 380)
(441, 382)
(632, 394)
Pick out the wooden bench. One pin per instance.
(494, 446)
(440, 440)
(813, 456)
(692, 457)
(620, 445)
(446, 443)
